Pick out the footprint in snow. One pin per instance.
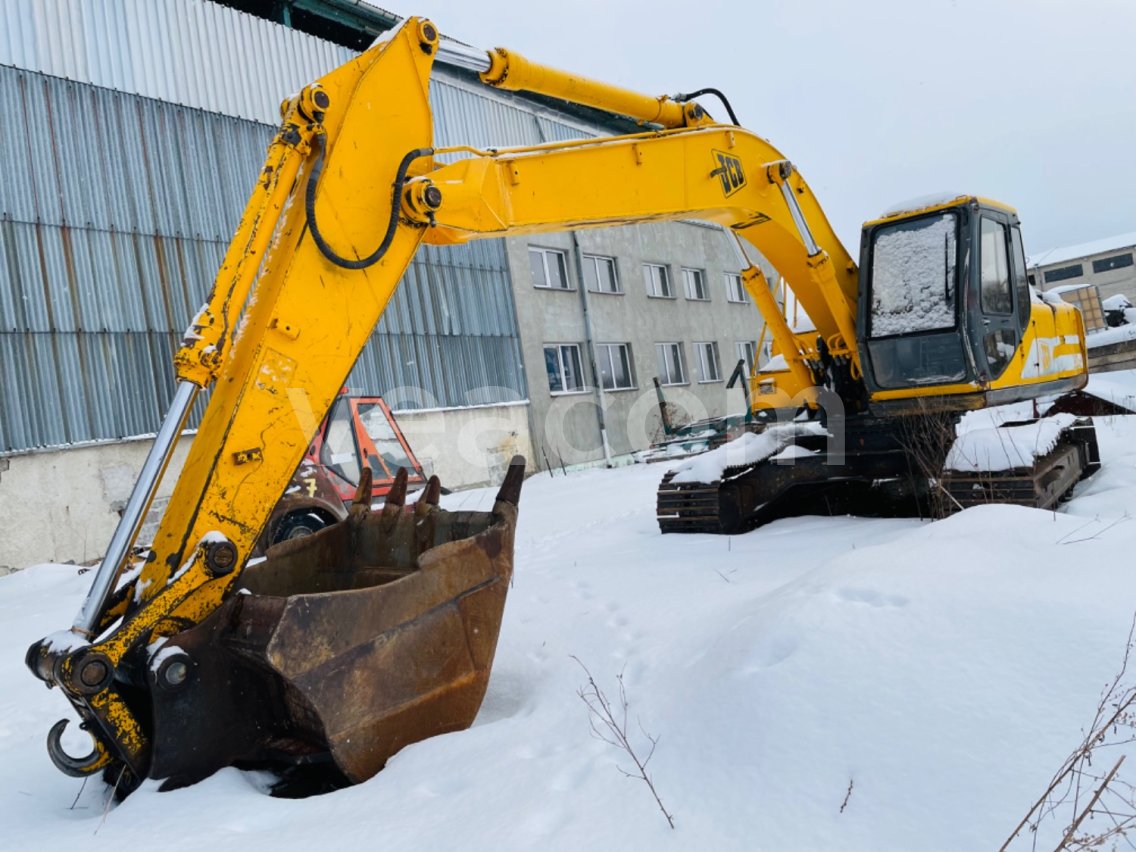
(772, 652)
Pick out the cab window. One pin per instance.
(1021, 281)
(339, 452)
(380, 431)
(913, 276)
(996, 298)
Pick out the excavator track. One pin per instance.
(687, 507)
(817, 481)
(1045, 484)
(877, 474)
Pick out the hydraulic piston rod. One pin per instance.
(135, 513)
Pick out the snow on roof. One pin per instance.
(1062, 255)
(1068, 288)
(922, 202)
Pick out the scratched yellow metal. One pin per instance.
(307, 319)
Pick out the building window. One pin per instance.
(613, 360)
(1064, 273)
(694, 282)
(565, 369)
(549, 268)
(1118, 261)
(735, 291)
(600, 275)
(746, 351)
(658, 281)
(672, 366)
(708, 369)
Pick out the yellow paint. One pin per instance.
(945, 205)
(509, 70)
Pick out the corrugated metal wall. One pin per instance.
(189, 52)
(115, 211)
(112, 226)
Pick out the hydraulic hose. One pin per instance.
(392, 223)
(710, 90)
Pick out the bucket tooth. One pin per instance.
(361, 505)
(510, 491)
(396, 497)
(432, 492)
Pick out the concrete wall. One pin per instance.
(468, 447)
(566, 425)
(63, 505)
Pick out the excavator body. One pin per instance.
(946, 324)
(343, 646)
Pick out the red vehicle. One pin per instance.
(358, 430)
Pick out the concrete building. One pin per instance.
(631, 304)
(1106, 264)
(136, 130)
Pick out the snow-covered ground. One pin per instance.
(820, 683)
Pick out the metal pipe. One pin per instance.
(463, 56)
(135, 513)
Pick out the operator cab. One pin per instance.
(945, 299)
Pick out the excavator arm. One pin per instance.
(350, 189)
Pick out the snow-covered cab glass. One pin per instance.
(914, 276)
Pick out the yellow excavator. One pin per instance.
(341, 647)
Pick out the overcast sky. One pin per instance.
(1032, 102)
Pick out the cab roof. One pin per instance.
(931, 203)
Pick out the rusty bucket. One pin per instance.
(342, 647)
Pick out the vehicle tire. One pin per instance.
(299, 525)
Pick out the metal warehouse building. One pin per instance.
(134, 131)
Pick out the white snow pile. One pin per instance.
(1006, 447)
(747, 448)
(817, 684)
(1118, 387)
(1109, 336)
(1118, 302)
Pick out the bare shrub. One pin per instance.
(926, 438)
(608, 721)
(1097, 806)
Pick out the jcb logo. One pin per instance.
(729, 172)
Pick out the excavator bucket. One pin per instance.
(342, 647)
